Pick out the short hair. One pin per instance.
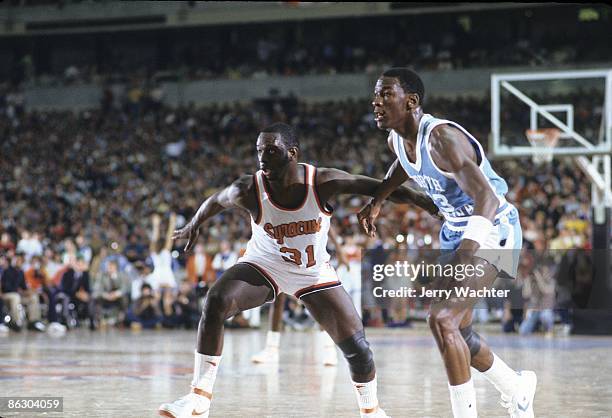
(409, 80)
(286, 132)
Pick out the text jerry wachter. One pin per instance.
(411, 271)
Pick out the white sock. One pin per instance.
(463, 400)
(205, 371)
(502, 377)
(366, 397)
(273, 339)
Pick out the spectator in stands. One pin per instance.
(162, 275)
(197, 264)
(135, 250)
(145, 312)
(200, 272)
(75, 286)
(15, 292)
(29, 245)
(6, 243)
(111, 293)
(224, 259)
(83, 248)
(170, 318)
(142, 272)
(186, 306)
(539, 290)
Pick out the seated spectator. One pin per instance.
(111, 293)
(15, 292)
(186, 306)
(142, 274)
(168, 308)
(6, 243)
(75, 287)
(135, 250)
(539, 290)
(39, 281)
(38, 278)
(145, 311)
(29, 245)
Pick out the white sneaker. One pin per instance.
(379, 413)
(330, 356)
(56, 328)
(521, 404)
(191, 405)
(267, 355)
(4, 330)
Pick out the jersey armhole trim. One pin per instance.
(259, 205)
(326, 209)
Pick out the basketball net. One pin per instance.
(543, 138)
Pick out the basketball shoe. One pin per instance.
(194, 404)
(267, 355)
(379, 413)
(521, 404)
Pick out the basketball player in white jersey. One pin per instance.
(480, 225)
(287, 253)
(270, 353)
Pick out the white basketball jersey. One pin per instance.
(295, 240)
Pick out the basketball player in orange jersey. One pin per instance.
(287, 253)
(480, 225)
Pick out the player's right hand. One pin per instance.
(190, 232)
(367, 216)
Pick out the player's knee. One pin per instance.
(357, 352)
(472, 339)
(217, 306)
(442, 323)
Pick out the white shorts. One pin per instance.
(298, 285)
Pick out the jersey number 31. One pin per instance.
(295, 256)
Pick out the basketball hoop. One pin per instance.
(543, 138)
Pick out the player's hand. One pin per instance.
(189, 232)
(436, 213)
(367, 216)
(431, 208)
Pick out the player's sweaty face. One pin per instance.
(272, 155)
(388, 102)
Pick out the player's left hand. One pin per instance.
(367, 216)
(190, 232)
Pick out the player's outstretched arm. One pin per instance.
(331, 182)
(390, 186)
(452, 153)
(236, 195)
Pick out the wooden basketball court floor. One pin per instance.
(116, 373)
